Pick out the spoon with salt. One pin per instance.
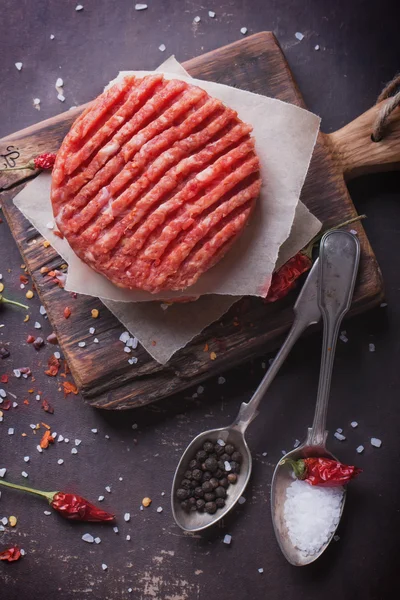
(306, 313)
(339, 259)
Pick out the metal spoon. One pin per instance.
(339, 259)
(306, 313)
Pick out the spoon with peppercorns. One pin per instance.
(216, 466)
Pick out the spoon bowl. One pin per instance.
(197, 521)
(281, 480)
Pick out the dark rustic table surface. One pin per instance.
(135, 453)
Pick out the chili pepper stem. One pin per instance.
(308, 249)
(48, 495)
(298, 467)
(2, 299)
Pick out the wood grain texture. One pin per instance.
(103, 375)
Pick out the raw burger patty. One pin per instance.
(154, 182)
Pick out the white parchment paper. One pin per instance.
(249, 269)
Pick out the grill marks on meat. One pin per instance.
(154, 182)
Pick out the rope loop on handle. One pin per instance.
(391, 93)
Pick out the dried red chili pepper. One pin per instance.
(42, 161)
(285, 278)
(323, 471)
(70, 506)
(11, 554)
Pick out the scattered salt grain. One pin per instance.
(3, 472)
(376, 442)
(88, 538)
(115, 529)
(60, 461)
(243, 30)
(18, 65)
(93, 430)
(92, 330)
(316, 47)
(32, 426)
(24, 474)
(77, 442)
(4, 520)
(128, 538)
(354, 424)
(220, 442)
(52, 36)
(127, 517)
(57, 355)
(339, 436)
(60, 438)
(197, 19)
(39, 449)
(211, 14)
(311, 514)
(343, 337)
(17, 373)
(100, 498)
(22, 552)
(120, 478)
(132, 343)
(371, 347)
(66, 440)
(241, 500)
(37, 325)
(124, 337)
(10, 431)
(227, 466)
(265, 453)
(200, 389)
(36, 103)
(78, 7)
(133, 360)
(296, 443)
(81, 344)
(37, 397)
(135, 426)
(353, 231)
(3, 393)
(261, 570)
(227, 539)
(130, 590)
(107, 437)
(339, 430)
(221, 380)
(26, 459)
(283, 452)
(59, 83)
(61, 97)
(159, 509)
(95, 341)
(383, 304)
(140, 6)
(14, 404)
(74, 451)
(108, 489)
(360, 449)
(162, 47)
(127, 350)
(299, 36)
(42, 310)
(97, 540)
(47, 513)
(104, 567)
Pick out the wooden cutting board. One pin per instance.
(103, 376)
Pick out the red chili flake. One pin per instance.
(205, 349)
(47, 407)
(23, 279)
(45, 161)
(11, 554)
(26, 371)
(26, 402)
(286, 277)
(53, 365)
(67, 312)
(6, 404)
(69, 388)
(58, 234)
(4, 379)
(154, 343)
(323, 471)
(30, 339)
(46, 439)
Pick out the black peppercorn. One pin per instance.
(185, 505)
(187, 475)
(229, 449)
(194, 484)
(209, 497)
(219, 473)
(235, 466)
(225, 457)
(220, 502)
(210, 507)
(207, 475)
(219, 449)
(224, 482)
(220, 492)
(192, 501)
(197, 474)
(232, 478)
(201, 456)
(237, 457)
(186, 483)
(214, 482)
(199, 492)
(193, 508)
(221, 465)
(182, 494)
(211, 464)
(200, 505)
(213, 455)
(207, 487)
(208, 447)
(194, 464)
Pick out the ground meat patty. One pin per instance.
(154, 182)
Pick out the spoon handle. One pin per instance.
(307, 313)
(339, 259)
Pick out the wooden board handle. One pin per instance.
(358, 154)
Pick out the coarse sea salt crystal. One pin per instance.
(200, 389)
(57, 355)
(220, 442)
(50, 225)
(60, 461)
(11, 431)
(18, 65)
(159, 509)
(316, 47)
(26, 458)
(124, 337)
(78, 7)
(261, 570)
(108, 489)
(61, 97)
(227, 539)
(243, 30)
(100, 498)
(343, 337)
(59, 83)
(299, 36)
(162, 47)
(339, 430)
(115, 529)
(211, 14)
(3, 471)
(376, 442)
(360, 449)
(52, 36)
(42, 310)
(127, 517)
(24, 474)
(311, 514)
(37, 325)
(81, 344)
(197, 19)
(371, 347)
(47, 513)
(128, 538)
(74, 451)
(95, 341)
(241, 500)
(127, 350)
(88, 538)
(3, 393)
(93, 430)
(97, 540)
(227, 466)
(221, 380)
(92, 330)
(140, 6)
(339, 436)
(354, 424)
(104, 567)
